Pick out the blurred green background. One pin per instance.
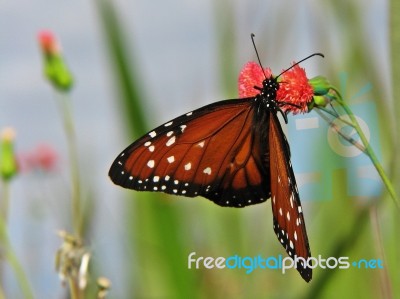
(140, 63)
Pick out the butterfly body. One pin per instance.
(232, 152)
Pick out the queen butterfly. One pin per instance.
(232, 152)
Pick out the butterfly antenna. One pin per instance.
(258, 57)
(315, 54)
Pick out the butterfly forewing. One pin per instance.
(212, 152)
(288, 219)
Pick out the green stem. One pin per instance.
(76, 292)
(368, 149)
(5, 199)
(5, 202)
(9, 254)
(65, 107)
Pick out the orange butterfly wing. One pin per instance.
(212, 152)
(288, 220)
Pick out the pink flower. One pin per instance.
(43, 158)
(295, 92)
(295, 89)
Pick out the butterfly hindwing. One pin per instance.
(212, 152)
(288, 219)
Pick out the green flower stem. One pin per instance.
(65, 107)
(9, 254)
(5, 201)
(368, 149)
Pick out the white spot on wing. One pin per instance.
(207, 170)
(151, 148)
(183, 127)
(295, 235)
(188, 166)
(168, 124)
(171, 159)
(147, 143)
(288, 216)
(189, 114)
(152, 134)
(150, 163)
(201, 144)
(280, 211)
(167, 177)
(170, 141)
(170, 133)
(156, 179)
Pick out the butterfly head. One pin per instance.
(268, 92)
(270, 87)
(267, 96)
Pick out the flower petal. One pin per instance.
(251, 75)
(295, 92)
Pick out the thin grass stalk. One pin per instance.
(394, 39)
(386, 287)
(12, 259)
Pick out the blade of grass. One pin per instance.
(151, 217)
(344, 242)
(394, 36)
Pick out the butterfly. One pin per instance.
(232, 152)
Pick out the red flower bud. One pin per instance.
(55, 68)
